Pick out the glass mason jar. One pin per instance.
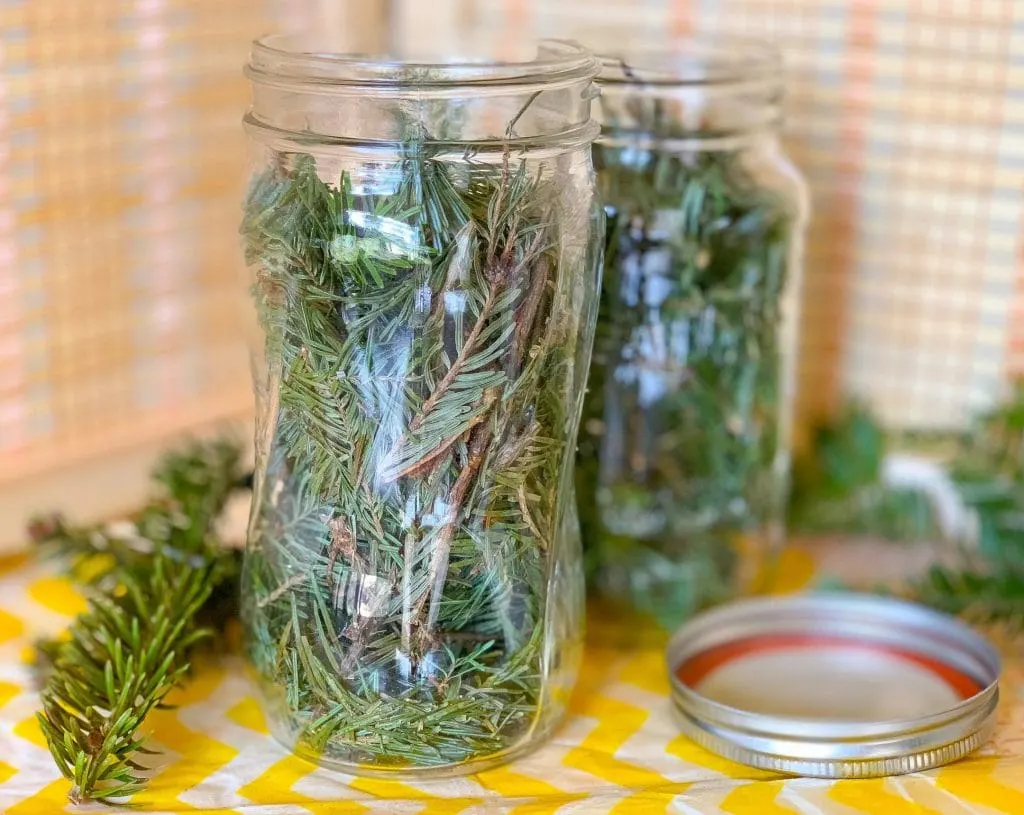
(425, 240)
(684, 449)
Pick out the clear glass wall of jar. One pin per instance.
(684, 452)
(425, 240)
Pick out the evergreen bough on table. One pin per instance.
(841, 490)
(839, 486)
(419, 386)
(157, 586)
(987, 471)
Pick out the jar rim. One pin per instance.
(692, 62)
(290, 59)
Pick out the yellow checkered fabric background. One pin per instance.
(618, 752)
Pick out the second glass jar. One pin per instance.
(684, 449)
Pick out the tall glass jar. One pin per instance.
(426, 240)
(684, 451)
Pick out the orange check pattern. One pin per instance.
(618, 752)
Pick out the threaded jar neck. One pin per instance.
(302, 88)
(704, 90)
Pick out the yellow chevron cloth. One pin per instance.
(618, 752)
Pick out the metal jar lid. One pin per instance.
(833, 685)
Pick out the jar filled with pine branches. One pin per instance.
(684, 452)
(425, 241)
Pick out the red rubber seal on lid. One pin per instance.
(699, 666)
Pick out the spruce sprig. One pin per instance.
(124, 656)
(151, 583)
(982, 592)
(192, 484)
(987, 471)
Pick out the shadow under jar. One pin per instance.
(425, 241)
(684, 450)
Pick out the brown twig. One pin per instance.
(480, 439)
(528, 312)
(513, 448)
(419, 468)
(342, 543)
(501, 270)
(478, 444)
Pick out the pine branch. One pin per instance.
(126, 653)
(151, 582)
(984, 594)
(193, 483)
(838, 486)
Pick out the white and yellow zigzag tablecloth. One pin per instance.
(618, 752)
